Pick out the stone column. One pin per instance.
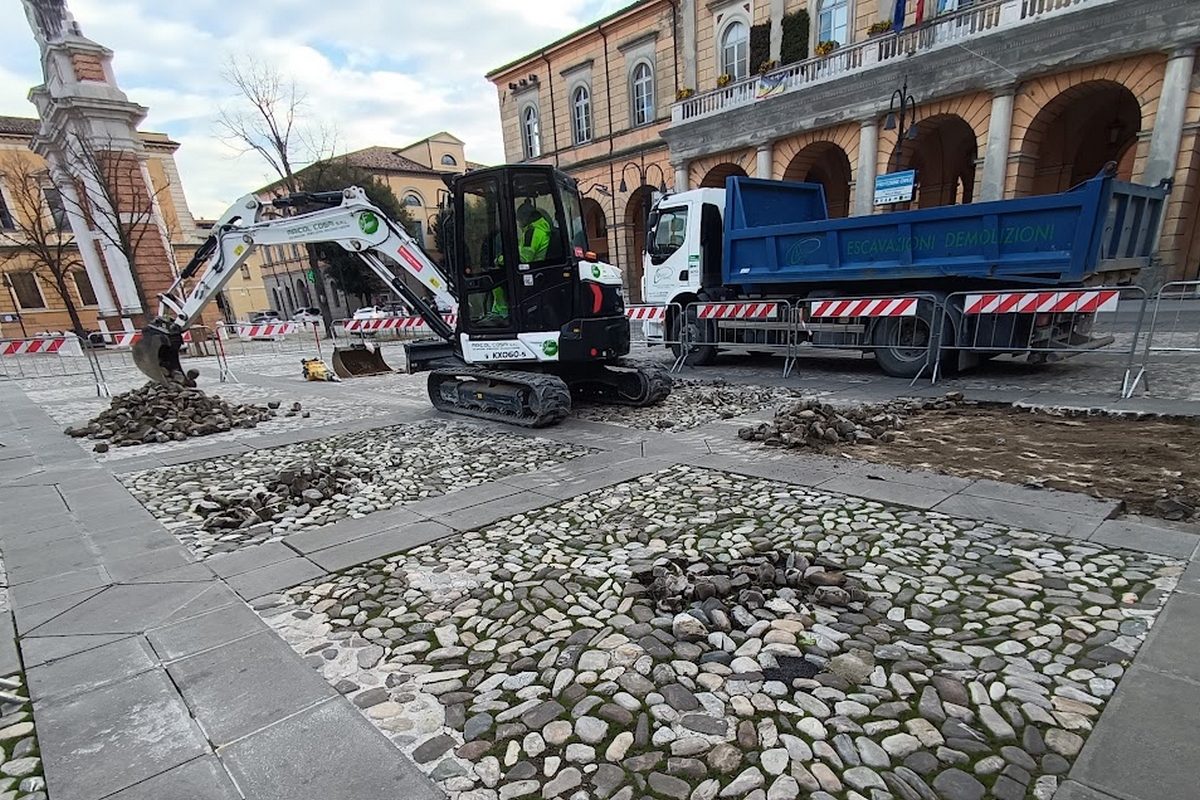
(868, 158)
(681, 176)
(777, 7)
(995, 160)
(766, 161)
(1168, 122)
(687, 20)
(85, 240)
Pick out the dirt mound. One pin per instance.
(168, 412)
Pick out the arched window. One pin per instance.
(449, 161)
(833, 21)
(412, 199)
(531, 133)
(581, 114)
(735, 51)
(643, 94)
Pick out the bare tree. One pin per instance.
(269, 121)
(38, 235)
(111, 193)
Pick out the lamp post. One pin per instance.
(902, 109)
(643, 172)
(600, 189)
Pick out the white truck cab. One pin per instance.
(683, 250)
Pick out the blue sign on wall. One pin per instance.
(895, 187)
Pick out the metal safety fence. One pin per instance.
(764, 325)
(41, 357)
(1042, 326)
(652, 325)
(902, 331)
(1173, 329)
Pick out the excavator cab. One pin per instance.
(522, 269)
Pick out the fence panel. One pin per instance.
(1047, 325)
(1174, 328)
(42, 357)
(649, 324)
(902, 328)
(769, 323)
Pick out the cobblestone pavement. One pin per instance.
(696, 634)
(278, 491)
(20, 758)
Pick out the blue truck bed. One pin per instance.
(780, 233)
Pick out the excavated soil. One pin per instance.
(1150, 463)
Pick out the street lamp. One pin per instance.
(902, 109)
(642, 171)
(603, 190)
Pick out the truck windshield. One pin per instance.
(668, 231)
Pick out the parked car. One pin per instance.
(265, 317)
(370, 312)
(398, 310)
(306, 316)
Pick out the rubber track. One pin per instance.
(653, 384)
(553, 397)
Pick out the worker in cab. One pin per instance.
(533, 244)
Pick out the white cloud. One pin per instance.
(381, 72)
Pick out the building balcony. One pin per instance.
(881, 50)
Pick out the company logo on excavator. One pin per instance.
(550, 348)
(368, 222)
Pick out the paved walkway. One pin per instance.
(154, 679)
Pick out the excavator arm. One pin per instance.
(355, 224)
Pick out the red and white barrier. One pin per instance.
(43, 346)
(867, 307)
(272, 330)
(1072, 302)
(392, 324)
(130, 338)
(646, 313)
(737, 310)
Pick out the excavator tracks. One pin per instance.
(623, 383)
(528, 399)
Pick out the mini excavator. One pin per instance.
(539, 321)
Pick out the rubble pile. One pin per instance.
(293, 492)
(157, 413)
(821, 426)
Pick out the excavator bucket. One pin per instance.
(156, 354)
(357, 360)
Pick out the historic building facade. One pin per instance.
(1012, 98)
(110, 192)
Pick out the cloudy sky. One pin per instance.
(380, 71)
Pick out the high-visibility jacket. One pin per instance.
(535, 241)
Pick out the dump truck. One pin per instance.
(895, 282)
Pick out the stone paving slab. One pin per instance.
(38, 650)
(280, 575)
(1146, 538)
(134, 608)
(1059, 523)
(330, 751)
(246, 685)
(1173, 647)
(10, 657)
(200, 779)
(28, 596)
(1147, 746)
(203, 632)
(1070, 502)
(348, 530)
(382, 544)
(83, 672)
(107, 740)
(248, 559)
(886, 491)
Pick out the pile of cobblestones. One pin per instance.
(361, 473)
(586, 649)
(157, 413)
(816, 425)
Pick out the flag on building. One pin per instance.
(898, 16)
(769, 85)
(920, 11)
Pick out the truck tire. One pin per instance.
(901, 344)
(702, 330)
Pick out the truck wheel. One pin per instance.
(902, 343)
(697, 330)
